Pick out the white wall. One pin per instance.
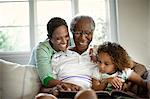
(133, 29)
(149, 31)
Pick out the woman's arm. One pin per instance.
(135, 78)
(43, 57)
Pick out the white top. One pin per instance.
(124, 75)
(73, 68)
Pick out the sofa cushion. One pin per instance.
(18, 81)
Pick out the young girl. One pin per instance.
(114, 68)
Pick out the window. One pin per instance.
(23, 22)
(48, 9)
(14, 26)
(98, 10)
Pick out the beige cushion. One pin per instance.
(18, 81)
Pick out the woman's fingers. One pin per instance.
(64, 87)
(75, 88)
(68, 87)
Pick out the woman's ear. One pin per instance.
(51, 41)
(48, 36)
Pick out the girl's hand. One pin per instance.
(116, 82)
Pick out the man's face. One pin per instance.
(83, 35)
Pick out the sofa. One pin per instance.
(18, 81)
(22, 81)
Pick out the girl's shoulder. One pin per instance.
(126, 73)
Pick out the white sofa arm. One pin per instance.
(18, 81)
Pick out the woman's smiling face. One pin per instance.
(60, 38)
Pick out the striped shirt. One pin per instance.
(73, 68)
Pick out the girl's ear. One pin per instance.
(118, 68)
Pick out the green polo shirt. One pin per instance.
(41, 58)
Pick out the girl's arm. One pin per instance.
(116, 82)
(99, 85)
(135, 78)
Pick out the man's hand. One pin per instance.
(92, 55)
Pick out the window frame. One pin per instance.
(112, 19)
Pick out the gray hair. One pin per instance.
(76, 19)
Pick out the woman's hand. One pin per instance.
(68, 87)
(65, 87)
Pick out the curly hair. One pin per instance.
(118, 54)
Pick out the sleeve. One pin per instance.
(43, 63)
(125, 74)
(32, 57)
(128, 72)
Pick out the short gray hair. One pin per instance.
(76, 19)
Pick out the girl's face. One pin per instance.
(105, 63)
(60, 38)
